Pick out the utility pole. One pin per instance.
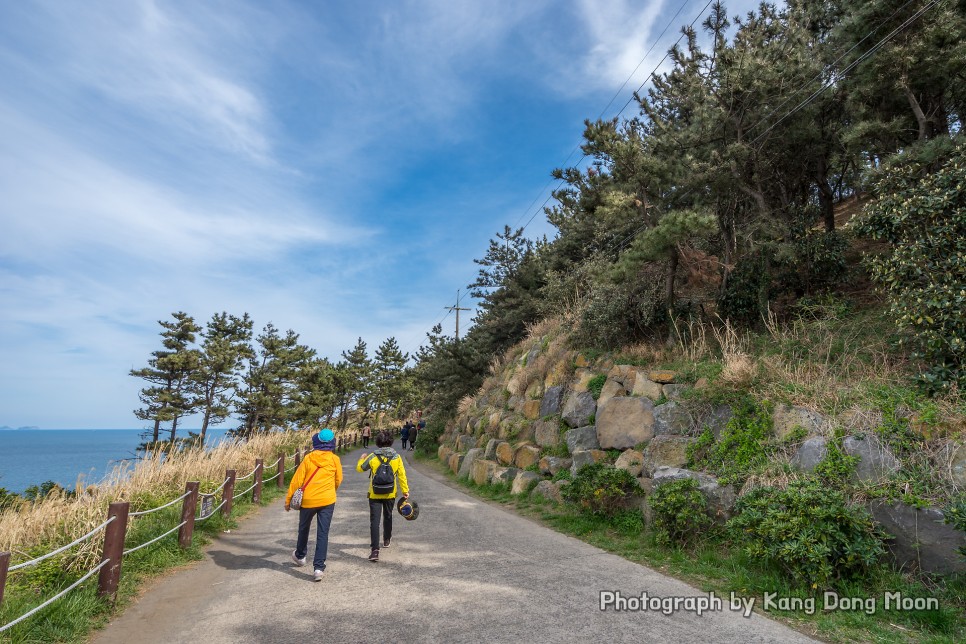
(457, 308)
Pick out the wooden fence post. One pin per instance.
(257, 492)
(298, 458)
(4, 564)
(188, 508)
(281, 471)
(227, 493)
(110, 575)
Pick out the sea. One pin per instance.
(33, 456)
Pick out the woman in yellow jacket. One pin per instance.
(383, 503)
(321, 474)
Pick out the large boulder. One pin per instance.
(546, 433)
(665, 451)
(581, 381)
(505, 474)
(630, 460)
(957, 466)
(526, 456)
(493, 424)
(548, 490)
(647, 388)
(663, 376)
(578, 408)
(455, 462)
(625, 422)
(531, 409)
(482, 471)
(611, 389)
(552, 401)
(504, 453)
(920, 538)
(788, 419)
(444, 452)
(553, 464)
(582, 438)
(876, 462)
(465, 442)
(721, 499)
(466, 468)
(671, 418)
(717, 419)
(810, 454)
(625, 374)
(535, 390)
(587, 457)
(489, 452)
(522, 482)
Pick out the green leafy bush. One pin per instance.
(807, 531)
(680, 512)
(956, 516)
(837, 466)
(618, 314)
(742, 446)
(600, 489)
(596, 385)
(920, 208)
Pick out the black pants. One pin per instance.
(365, 441)
(377, 507)
(404, 441)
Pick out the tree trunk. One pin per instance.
(917, 110)
(826, 196)
(204, 423)
(174, 430)
(671, 273)
(157, 429)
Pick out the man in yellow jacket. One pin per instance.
(382, 502)
(321, 475)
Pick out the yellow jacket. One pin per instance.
(321, 490)
(370, 463)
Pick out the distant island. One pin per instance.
(13, 429)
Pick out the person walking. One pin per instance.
(404, 434)
(413, 433)
(383, 464)
(320, 475)
(366, 433)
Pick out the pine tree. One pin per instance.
(390, 377)
(170, 370)
(225, 348)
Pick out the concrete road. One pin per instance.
(464, 571)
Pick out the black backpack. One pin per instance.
(383, 479)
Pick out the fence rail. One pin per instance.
(115, 531)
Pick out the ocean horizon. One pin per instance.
(32, 456)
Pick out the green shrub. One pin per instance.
(742, 446)
(837, 466)
(956, 516)
(600, 489)
(596, 385)
(808, 532)
(920, 208)
(428, 439)
(680, 513)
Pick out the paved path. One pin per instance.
(465, 571)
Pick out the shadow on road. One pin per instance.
(231, 561)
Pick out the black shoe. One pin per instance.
(374, 555)
(385, 543)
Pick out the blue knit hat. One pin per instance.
(324, 440)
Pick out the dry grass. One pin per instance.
(34, 528)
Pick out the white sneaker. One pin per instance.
(318, 575)
(298, 562)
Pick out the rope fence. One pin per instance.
(160, 507)
(34, 562)
(156, 539)
(115, 530)
(50, 601)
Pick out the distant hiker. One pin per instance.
(366, 433)
(413, 434)
(404, 433)
(420, 426)
(320, 473)
(387, 475)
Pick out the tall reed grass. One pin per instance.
(30, 529)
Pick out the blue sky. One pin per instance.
(329, 167)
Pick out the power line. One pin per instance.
(845, 72)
